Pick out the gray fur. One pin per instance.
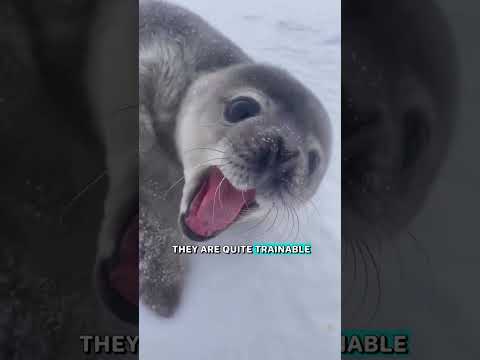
(175, 47)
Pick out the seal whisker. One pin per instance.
(290, 222)
(171, 187)
(203, 164)
(275, 220)
(215, 197)
(260, 222)
(298, 224)
(294, 209)
(87, 187)
(287, 211)
(377, 276)
(311, 202)
(375, 265)
(308, 214)
(245, 201)
(203, 148)
(281, 213)
(296, 221)
(366, 282)
(354, 275)
(220, 191)
(295, 224)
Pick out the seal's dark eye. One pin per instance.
(241, 108)
(313, 161)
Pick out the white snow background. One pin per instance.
(245, 307)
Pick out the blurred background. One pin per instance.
(414, 264)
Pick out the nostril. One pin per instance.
(283, 154)
(268, 152)
(287, 155)
(313, 161)
(274, 153)
(264, 157)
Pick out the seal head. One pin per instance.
(250, 138)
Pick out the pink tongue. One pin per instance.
(124, 276)
(215, 206)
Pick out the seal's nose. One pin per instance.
(274, 154)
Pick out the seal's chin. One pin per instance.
(215, 206)
(118, 276)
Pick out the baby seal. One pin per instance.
(247, 137)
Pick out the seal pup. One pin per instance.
(247, 138)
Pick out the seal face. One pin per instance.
(399, 94)
(398, 102)
(256, 139)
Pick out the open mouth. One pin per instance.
(215, 206)
(119, 274)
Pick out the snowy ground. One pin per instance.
(248, 307)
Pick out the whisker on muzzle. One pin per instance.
(82, 192)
